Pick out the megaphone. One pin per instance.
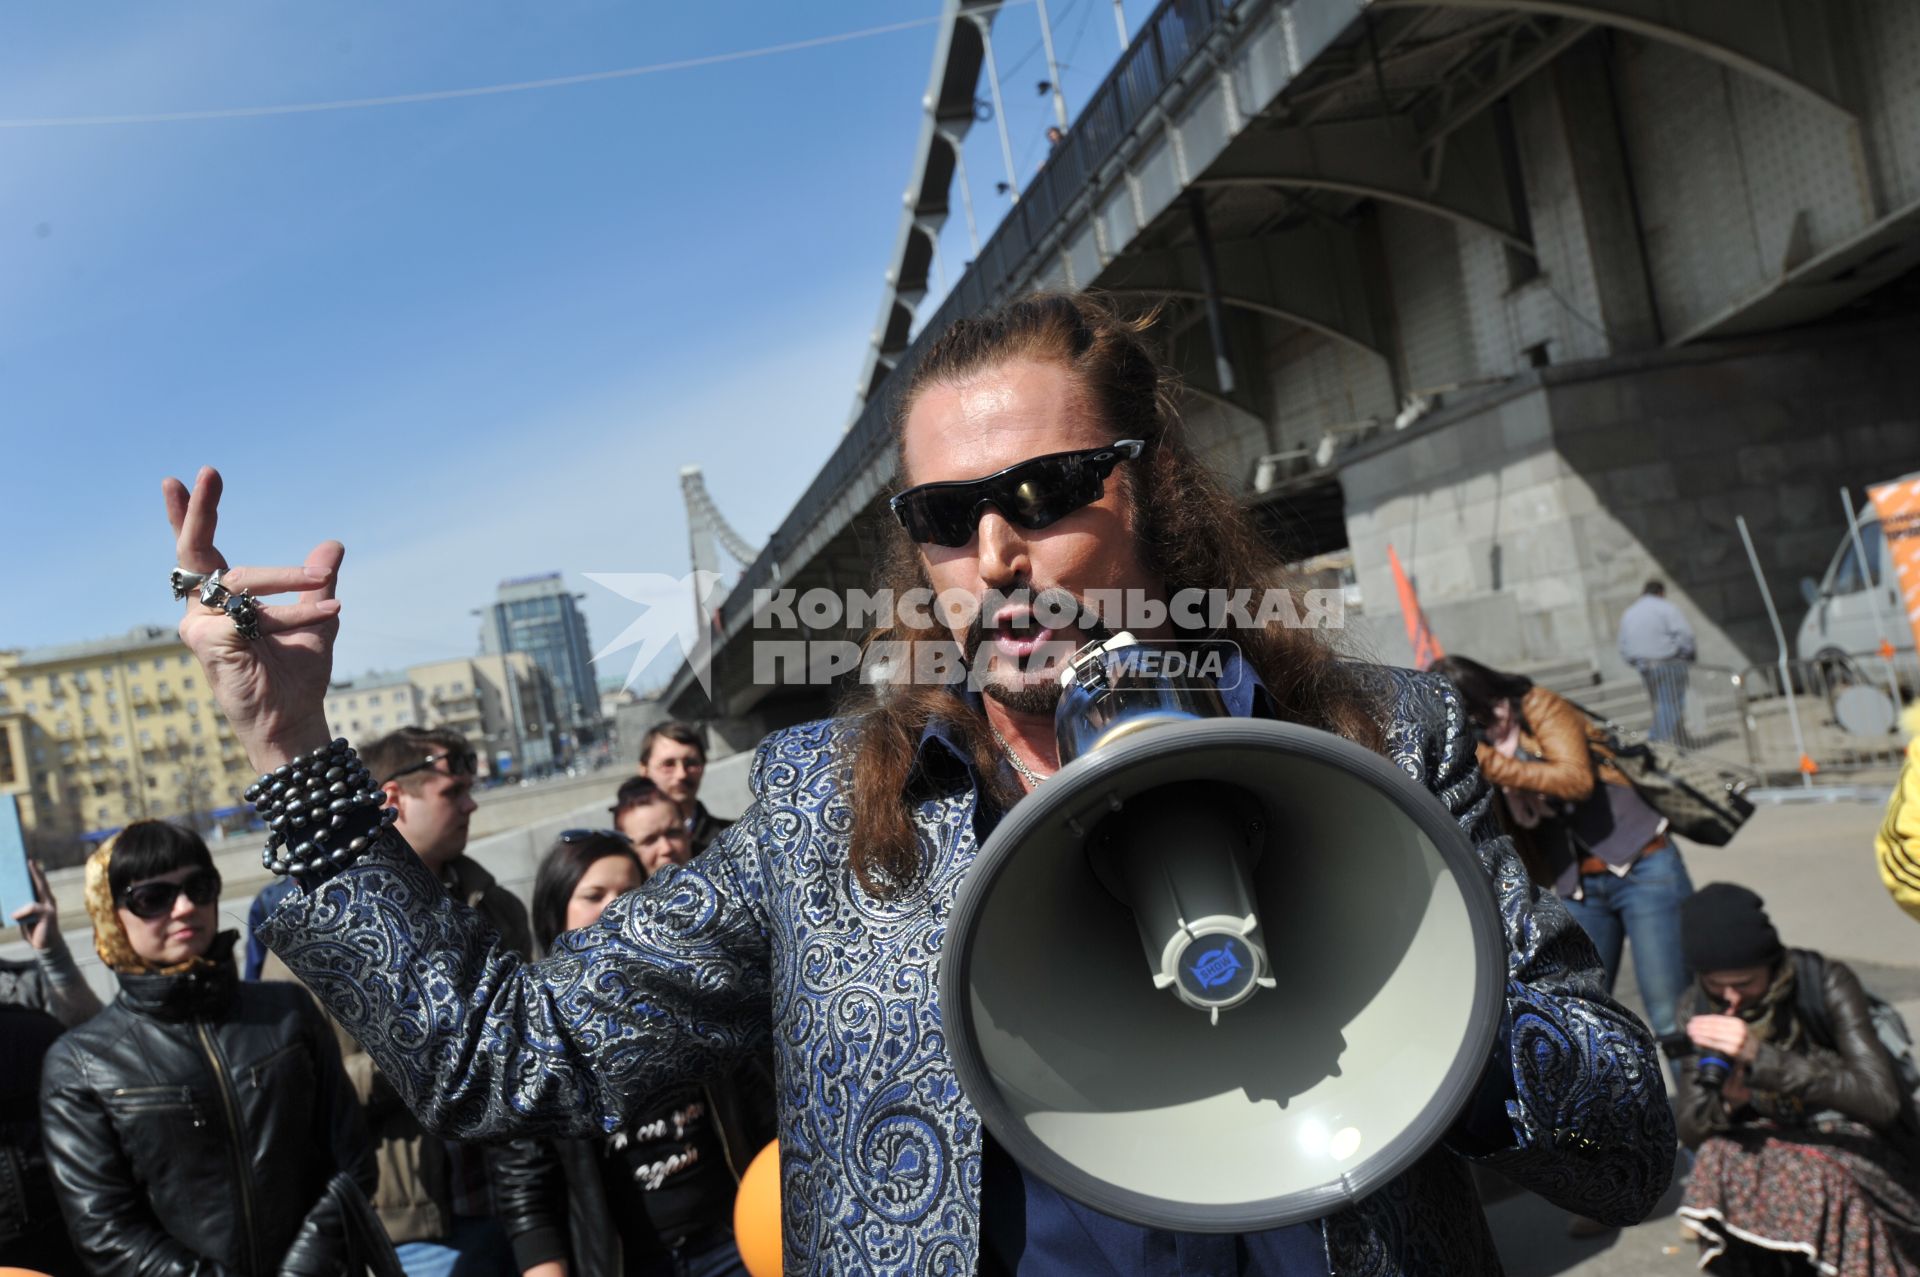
(1218, 974)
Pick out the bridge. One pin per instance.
(1541, 293)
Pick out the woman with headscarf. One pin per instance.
(192, 1126)
(1803, 1132)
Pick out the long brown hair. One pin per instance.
(1192, 534)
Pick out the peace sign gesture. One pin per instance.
(271, 688)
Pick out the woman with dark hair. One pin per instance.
(657, 1195)
(193, 1126)
(1581, 827)
(1804, 1132)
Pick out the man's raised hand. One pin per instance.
(271, 688)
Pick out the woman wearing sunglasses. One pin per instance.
(193, 1125)
(657, 1195)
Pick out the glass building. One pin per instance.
(537, 615)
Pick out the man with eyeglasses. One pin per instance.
(674, 758)
(435, 1196)
(1040, 457)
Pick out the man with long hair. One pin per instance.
(1041, 458)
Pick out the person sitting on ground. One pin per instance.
(1794, 1107)
(194, 1125)
(656, 1196)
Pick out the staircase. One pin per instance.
(1622, 702)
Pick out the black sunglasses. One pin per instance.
(152, 900)
(582, 835)
(460, 762)
(1034, 494)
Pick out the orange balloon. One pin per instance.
(21, 1272)
(756, 1214)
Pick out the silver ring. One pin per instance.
(244, 613)
(213, 592)
(185, 582)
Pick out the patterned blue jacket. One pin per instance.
(880, 1152)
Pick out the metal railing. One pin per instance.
(1841, 717)
(1159, 55)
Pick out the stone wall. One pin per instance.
(1531, 516)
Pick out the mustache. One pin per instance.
(1054, 599)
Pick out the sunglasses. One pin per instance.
(582, 835)
(152, 900)
(460, 762)
(1033, 494)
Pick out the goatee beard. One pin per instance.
(1026, 698)
(1024, 695)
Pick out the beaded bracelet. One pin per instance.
(322, 810)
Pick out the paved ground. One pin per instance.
(1814, 865)
(1812, 862)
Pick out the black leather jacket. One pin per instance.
(1791, 1086)
(551, 1199)
(29, 1219)
(192, 1127)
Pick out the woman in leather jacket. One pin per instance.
(1581, 828)
(192, 1127)
(656, 1197)
(1802, 1129)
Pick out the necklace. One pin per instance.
(1032, 777)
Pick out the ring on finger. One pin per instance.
(185, 582)
(240, 606)
(213, 591)
(244, 613)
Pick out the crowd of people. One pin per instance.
(212, 1119)
(410, 1071)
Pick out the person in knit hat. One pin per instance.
(1803, 1160)
(193, 1126)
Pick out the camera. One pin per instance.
(1710, 1069)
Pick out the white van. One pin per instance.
(1840, 607)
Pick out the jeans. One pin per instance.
(1667, 688)
(477, 1247)
(719, 1260)
(1642, 908)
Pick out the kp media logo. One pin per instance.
(677, 612)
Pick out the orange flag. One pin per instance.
(1426, 648)
(1899, 507)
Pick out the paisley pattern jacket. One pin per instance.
(769, 930)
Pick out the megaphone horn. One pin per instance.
(1324, 961)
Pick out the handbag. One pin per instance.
(368, 1248)
(1702, 800)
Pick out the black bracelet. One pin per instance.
(322, 810)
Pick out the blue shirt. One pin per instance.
(263, 904)
(1654, 630)
(1029, 1229)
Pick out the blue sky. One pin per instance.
(473, 339)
